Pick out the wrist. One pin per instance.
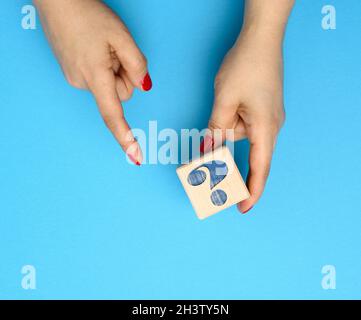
(266, 21)
(261, 38)
(262, 34)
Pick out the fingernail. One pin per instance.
(135, 161)
(206, 144)
(147, 83)
(135, 154)
(247, 210)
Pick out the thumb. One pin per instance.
(223, 124)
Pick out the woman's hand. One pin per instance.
(248, 99)
(97, 52)
(249, 91)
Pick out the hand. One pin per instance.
(249, 99)
(97, 52)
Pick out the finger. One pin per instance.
(261, 149)
(133, 61)
(102, 85)
(221, 125)
(239, 131)
(124, 88)
(216, 135)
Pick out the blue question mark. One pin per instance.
(218, 170)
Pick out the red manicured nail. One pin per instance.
(247, 210)
(135, 161)
(206, 144)
(134, 153)
(147, 83)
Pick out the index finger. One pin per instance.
(103, 87)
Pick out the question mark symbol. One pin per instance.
(218, 171)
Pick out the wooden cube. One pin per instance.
(213, 182)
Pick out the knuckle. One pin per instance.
(278, 120)
(219, 84)
(214, 125)
(125, 92)
(138, 63)
(281, 120)
(273, 128)
(127, 95)
(75, 82)
(272, 118)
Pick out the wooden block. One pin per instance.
(213, 182)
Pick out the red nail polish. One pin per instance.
(135, 161)
(206, 144)
(247, 210)
(201, 147)
(147, 83)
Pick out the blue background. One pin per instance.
(95, 227)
